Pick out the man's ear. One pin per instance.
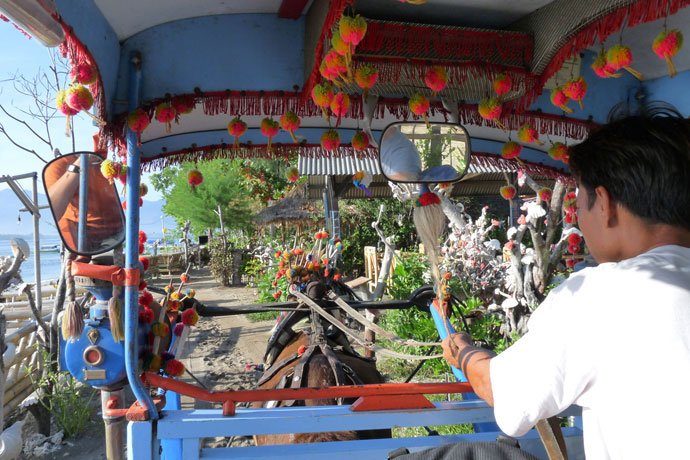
(606, 206)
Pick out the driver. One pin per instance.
(61, 179)
(613, 339)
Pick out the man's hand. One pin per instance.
(452, 348)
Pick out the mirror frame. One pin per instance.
(50, 204)
(403, 122)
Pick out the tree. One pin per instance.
(222, 186)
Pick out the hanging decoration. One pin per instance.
(340, 46)
(323, 95)
(503, 83)
(339, 106)
(510, 150)
(490, 109)
(366, 77)
(360, 141)
(183, 104)
(165, 113)
(79, 98)
(560, 100)
(570, 208)
(290, 122)
(559, 151)
(236, 128)
(330, 140)
(620, 57)
(666, 45)
(269, 128)
(334, 67)
(545, 194)
(64, 108)
(195, 178)
(436, 78)
(293, 174)
(603, 68)
(419, 105)
(84, 73)
(508, 192)
(138, 120)
(352, 30)
(576, 89)
(528, 135)
(110, 169)
(362, 180)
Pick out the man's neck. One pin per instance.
(639, 237)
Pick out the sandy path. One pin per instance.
(217, 353)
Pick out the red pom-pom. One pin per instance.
(141, 248)
(173, 368)
(184, 278)
(145, 262)
(143, 285)
(428, 198)
(146, 316)
(179, 327)
(190, 317)
(571, 262)
(142, 236)
(574, 238)
(146, 299)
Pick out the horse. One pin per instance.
(314, 359)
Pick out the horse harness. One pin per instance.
(296, 363)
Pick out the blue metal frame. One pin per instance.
(132, 247)
(83, 201)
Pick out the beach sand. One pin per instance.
(217, 353)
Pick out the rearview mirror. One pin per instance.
(85, 206)
(424, 154)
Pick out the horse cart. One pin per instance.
(505, 85)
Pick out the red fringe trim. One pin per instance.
(489, 160)
(525, 84)
(275, 103)
(335, 10)
(639, 12)
(77, 52)
(279, 151)
(416, 40)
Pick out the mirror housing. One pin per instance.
(101, 222)
(414, 152)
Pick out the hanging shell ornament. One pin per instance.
(666, 45)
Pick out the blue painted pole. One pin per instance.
(132, 246)
(478, 427)
(83, 201)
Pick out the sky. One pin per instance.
(20, 55)
(23, 56)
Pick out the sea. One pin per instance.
(49, 260)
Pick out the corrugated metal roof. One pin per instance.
(344, 165)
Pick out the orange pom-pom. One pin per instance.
(236, 128)
(330, 140)
(360, 141)
(184, 278)
(195, 178)
(559, 151)
(190, 317)
(502, 85)
(508, 192)
(165, 113)
(559, 99)
(576, 89)
(290, 122)
(528, 134)
(511, 150)
(436, 78)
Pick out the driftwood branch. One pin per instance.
(26, 289)
(11, 272)
(553, 217)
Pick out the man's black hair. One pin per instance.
(643, 161)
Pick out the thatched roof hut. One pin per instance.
(294, 209)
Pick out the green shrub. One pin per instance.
(67, 399)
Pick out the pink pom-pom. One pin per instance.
(511, 150)
(436, 78)
(508, 192)
(179, 327)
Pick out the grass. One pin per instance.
(417, 431)
(263, 316)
